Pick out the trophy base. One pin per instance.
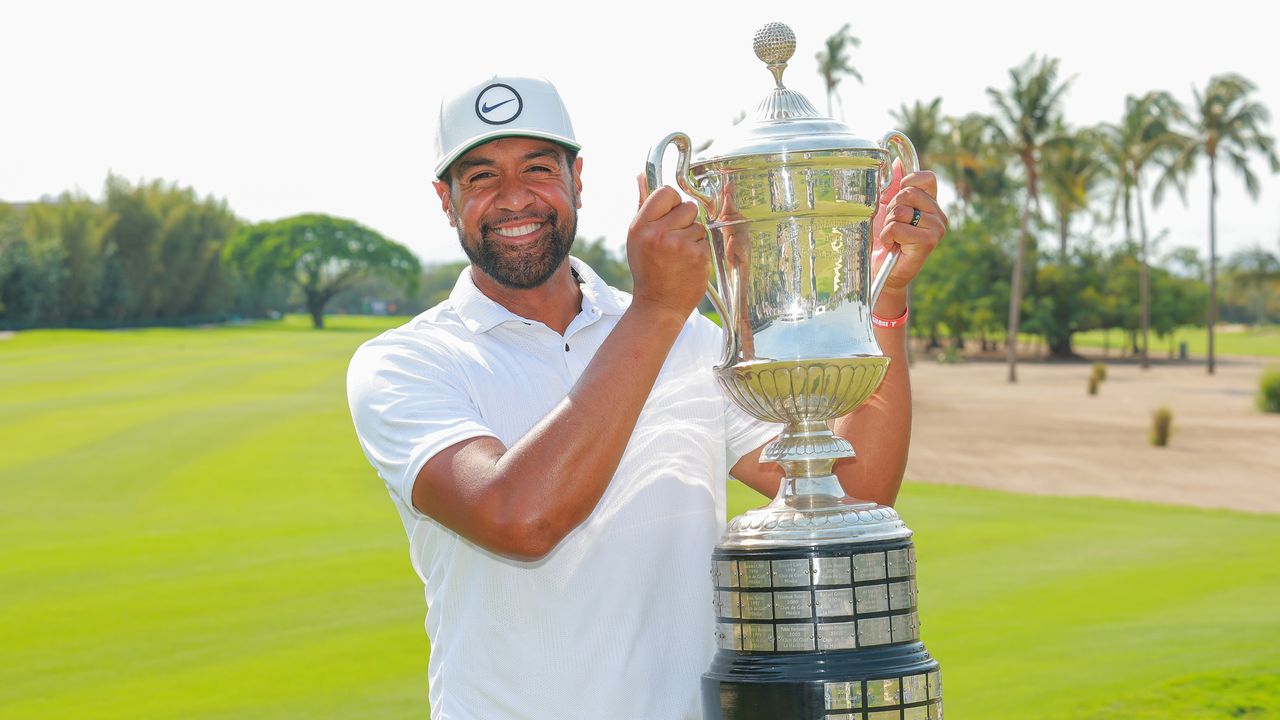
(827, 631)
(900, 682)
(813, 518)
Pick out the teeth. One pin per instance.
(518, 231)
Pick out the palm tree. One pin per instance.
(1027, 113)
(1143, 135)
(923, 123)
(1071, 170)
(1224, 123)
(972, 160)
(834, 63)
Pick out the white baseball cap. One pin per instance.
(500, 107)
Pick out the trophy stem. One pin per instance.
(807, 450)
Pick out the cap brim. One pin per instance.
(461, 150)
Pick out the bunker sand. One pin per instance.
(1045, 435)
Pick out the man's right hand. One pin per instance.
(667, 251)
(523, 500)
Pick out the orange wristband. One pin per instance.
(887, 323)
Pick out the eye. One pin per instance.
(541, 169)
(478, 176)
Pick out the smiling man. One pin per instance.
(557, 449)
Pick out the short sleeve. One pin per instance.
(743, 433)
(408, 404)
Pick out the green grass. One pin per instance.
(188, 530)
(1263, 341)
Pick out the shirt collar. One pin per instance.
(480, 314)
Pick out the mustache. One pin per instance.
(487, 226)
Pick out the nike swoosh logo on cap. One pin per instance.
(487, 108)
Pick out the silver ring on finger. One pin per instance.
(915, 218)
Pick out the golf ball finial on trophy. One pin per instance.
(815, 593)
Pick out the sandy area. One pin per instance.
(1046, 435)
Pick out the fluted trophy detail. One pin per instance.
(815, 592)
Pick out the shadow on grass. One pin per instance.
(1251, 693)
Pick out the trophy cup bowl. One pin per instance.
(815, 593)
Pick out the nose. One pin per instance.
(513, 195)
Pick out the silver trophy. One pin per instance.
(815, 593)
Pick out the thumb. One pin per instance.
(642, 183)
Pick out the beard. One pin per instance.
(525, 266)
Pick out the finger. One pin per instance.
(925, 180)
(912, 239)
(684, 215)
(692, 233)
(905, 214)
(895, 182)
(642, 183)
(913, 198)
(659, 203)
(681, 216)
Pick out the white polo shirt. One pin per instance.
(616, 622)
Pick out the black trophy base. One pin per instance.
(897, 681)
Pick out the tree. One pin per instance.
(147, 251)
(1067, 299)
(321, 255)
(1143, 135)
(924, 124)
(1225, 122)
(964, 284)
(834, 63)
(973, 161)
(1175, 281)
(31, 272)
(162, 255)
(1072, 170)
(438, 281)
(77, 226)
(613, 270)
(1026, 115)
(1254, 277)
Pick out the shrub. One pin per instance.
(1094, 381)
(1269, 390)
(1100, 371)
(1161, 424)
(948, 356)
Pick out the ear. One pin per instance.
(446, 204)
(577, 182)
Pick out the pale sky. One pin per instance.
(290, 107)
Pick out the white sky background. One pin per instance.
(290, 107)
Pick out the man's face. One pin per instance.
(515, 204)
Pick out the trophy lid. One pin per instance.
(785, 121)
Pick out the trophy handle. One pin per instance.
(893, 140)
(684, 179)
